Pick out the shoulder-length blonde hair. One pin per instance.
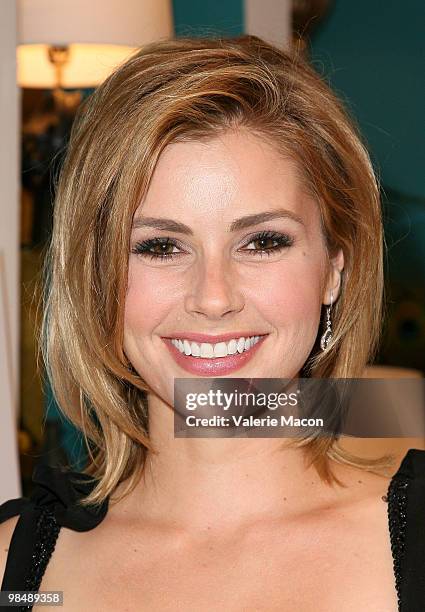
(192, 88)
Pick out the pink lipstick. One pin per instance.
(214, 366)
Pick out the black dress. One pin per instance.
(52, 505)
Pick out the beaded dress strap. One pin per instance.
(26, 567)
(406, 516)
(397, 507)
(47, 532)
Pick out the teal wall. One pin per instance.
(374, 54)
(206, 17)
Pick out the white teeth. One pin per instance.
(232, 347)
(195, 350)
(221, 349)
(186, 347)
(207, 350)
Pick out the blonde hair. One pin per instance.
(191, 89)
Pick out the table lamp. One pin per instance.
(76, 43)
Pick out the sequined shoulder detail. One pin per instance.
(47, 531)
(397, 521)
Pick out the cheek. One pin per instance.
(291, 293)
(149, 297)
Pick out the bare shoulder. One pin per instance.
(6, 532)
(360, 496)
(362, 481)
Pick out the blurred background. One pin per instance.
(55, 52)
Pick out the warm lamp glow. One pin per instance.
(88, 65)
(100, 35)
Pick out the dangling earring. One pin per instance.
(327, 335)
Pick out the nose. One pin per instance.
(213, 291)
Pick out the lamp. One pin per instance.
(77, 43)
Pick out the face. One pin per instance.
(228, 268)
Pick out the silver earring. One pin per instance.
(327, 335)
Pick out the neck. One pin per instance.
(199, 483)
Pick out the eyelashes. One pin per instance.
(161, 249)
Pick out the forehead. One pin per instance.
(231, 174)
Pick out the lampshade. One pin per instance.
(100, 34)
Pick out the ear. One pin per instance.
(333, 280)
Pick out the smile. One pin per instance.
(210, 359)
(206, 350)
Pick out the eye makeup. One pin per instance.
(162, 249)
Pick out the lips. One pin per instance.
(215, 366)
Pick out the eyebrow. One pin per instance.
(238, 224)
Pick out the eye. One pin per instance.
(156, 248)
(269, 243)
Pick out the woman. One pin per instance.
(216, 215)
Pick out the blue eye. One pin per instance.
(161, 249)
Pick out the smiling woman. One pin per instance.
(230, 270)
(216, 215)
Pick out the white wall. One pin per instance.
(9, 252)
(269, 19)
